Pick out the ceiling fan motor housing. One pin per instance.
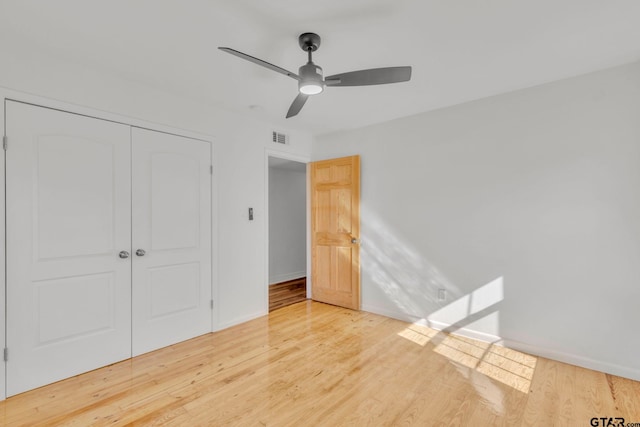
(309, 41)
(311, 79)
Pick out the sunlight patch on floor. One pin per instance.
(505, 369)
(418, 334)
(462, 350)
(510, 367)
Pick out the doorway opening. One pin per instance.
(287, 201)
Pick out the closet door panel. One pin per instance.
(69, 203)
(171, 220)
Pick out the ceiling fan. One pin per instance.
(311, 80)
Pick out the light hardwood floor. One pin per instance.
(314, 364)
(287, 293)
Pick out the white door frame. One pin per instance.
(296, 158)
(3, 287)
(10, 94)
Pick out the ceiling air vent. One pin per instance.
(280, 138)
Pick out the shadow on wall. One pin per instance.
(409, 284)
(407, 280)
(399, 279)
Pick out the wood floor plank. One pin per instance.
(626, 396)
(593, 395)
(287, 293)
(316, 364)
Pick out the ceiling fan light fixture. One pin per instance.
(310, 88)
(311, 80)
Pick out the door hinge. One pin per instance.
(211, 304)
(6, 354)
(4, 142)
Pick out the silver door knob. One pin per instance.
(123, 254)
(354, 240)
(140, 252)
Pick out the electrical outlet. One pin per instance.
(442, 294)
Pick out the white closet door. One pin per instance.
(69, 205)
(172, 224)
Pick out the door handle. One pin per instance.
(123, 254)
(140, 252)
(354, 240)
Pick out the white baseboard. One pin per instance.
(390, 313)
(463, 332)
(572, 359)
(239, 320)
(439, 326)
(279, 278)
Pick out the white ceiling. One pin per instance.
(459, 50)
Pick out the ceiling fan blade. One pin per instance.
(373, 76)
(297, 105)
(260, 62)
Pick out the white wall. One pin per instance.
(239, 149)
(525, 207)
(287, 224)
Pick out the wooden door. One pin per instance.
(68, 219)
(171, 239)
(335, 231)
